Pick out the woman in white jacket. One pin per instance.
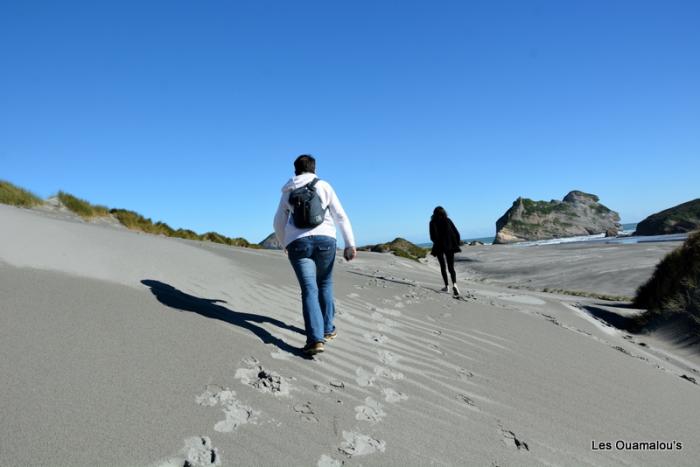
(311, 251)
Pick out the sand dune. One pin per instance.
(121, 348)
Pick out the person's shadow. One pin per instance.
(174, 298)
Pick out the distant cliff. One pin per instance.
(678, 219)
(577, 214)
(271, 243)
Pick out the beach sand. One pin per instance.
(602, 268)
(120, 348)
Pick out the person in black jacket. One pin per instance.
(446, 240)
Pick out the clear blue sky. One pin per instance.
(192, 112)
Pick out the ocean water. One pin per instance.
(625, 236)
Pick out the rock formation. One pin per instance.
(577, 214)
(678, 219)
(271, 243)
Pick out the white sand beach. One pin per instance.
(127, 349)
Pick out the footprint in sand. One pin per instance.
(198, 452)
(466, 400)
(328, 461)
(371, 412)
(464, 374)
(383, 372)
(388, 358)
(363, 377)
(689, 378)
(263, 380)
(510, 439)
(376, 338)
(357, 444)
(306, 412)
(333, 385)
(393, 396)
(628, 353)
(336, 384)
(322, 388)
(236, 413)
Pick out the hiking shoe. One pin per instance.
(313, 349)
(330, 336)
(455, 291)
(444, 289)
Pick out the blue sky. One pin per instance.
(193, 112)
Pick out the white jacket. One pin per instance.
(287, 232)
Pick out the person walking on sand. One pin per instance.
(446, 240)
(305, 224)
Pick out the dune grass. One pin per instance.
(16, 196)
(399, 247)
(81, 207)
(672, 292)
(135, 221)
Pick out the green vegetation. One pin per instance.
(524, 227)
(186, 234)
(135, 221)
(399, 247)
(672, 292)
(682, 218)
(82, 207)
(544, 207)
(224, 240)
(16, 196)
(600, 209)
(11, 194)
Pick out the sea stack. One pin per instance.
(577, 214)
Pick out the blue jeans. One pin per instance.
(312, 258)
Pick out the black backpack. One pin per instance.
(307, 210)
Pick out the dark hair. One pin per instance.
(304, 164)
(439, 213)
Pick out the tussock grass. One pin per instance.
(81, 207)
(399, 247)
(672, 292)
(135, 221)
(16, 196)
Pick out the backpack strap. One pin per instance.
(312, 186)
(312, 183)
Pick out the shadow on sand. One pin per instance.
(680, 330)
(174, 298)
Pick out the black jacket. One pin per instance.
(445, 236)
